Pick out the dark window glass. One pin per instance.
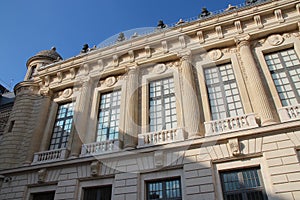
(164, 189)
(97, 193)
(43, 196)
(63, 126)
(32, 72)
(244, 184)
(223, 94)
(109, 115)
(284, 67)
(162, 105)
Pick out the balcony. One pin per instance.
(230, 124)
(289, 113)
(50, 156)
(161, 137)
(100, 147)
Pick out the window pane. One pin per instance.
(162, 105)
(97, 193)
(244, 184)
(164, 189)
(284, 67)
(63, 126)
(108, 117)
(223, 93)
(43, 195)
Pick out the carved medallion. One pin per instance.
(110, 81)
(67, 93)
(275, 40)
(215, 54)
(159, 68)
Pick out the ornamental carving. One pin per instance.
(110, 81)
(234, 146)
(67, 93)
(159, 68)
(275, 40)
(215, 54)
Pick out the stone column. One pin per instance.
(191, 111)
(38, 132)
(131, 117)
(254, 84)
(81, 114)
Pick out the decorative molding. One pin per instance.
(238, 26)
(215, 54)
(86, 69)
(131, 55)
(219, 31)
(148, 51)
(258, 22)
(110, 81)
(275, 40)
(159, 68)
(278, 15)
(72, 73)
(42, 174)
(200, 37)
(101, 65)
(242, 40)
(59, 77)
(95, 168)
(159, 158)
(45, 91)
(115, 60)
(298, 8)
(234, 146)
(182, 41)
(47, 80)
(165, 46)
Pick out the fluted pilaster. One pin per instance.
(190, 101)
(81, 114)
(131, 122)
(255, 87)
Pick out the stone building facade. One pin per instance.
(207, 109)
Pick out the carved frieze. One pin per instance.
(159, 68)
(110, 81)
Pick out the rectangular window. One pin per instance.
(243, 184)
(164, 190)
(97, 193)
(43, 196)
(63, 126)
(284, 67)
(162, 105)
(223, 93)
(109, 115)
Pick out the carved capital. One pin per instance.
(185, 55)
(243, 40)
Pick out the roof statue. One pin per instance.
(204, 12)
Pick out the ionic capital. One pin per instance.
(243, 40)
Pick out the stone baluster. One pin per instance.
(131, 117)
(254, 84)
(189, 97)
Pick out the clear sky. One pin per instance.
(29, 26)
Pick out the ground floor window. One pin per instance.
(164, 189)
(97, 193)
(43, 196)
(243, 184)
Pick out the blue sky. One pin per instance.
(27, 27)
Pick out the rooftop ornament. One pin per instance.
(85, 48)
(230, 7)
(204, 13)
(181, 21)
(161, 24)
(249, 2)
(121, 37)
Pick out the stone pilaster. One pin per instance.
(131, 117)
(191, 111)
(254, 84)
(81, 114)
